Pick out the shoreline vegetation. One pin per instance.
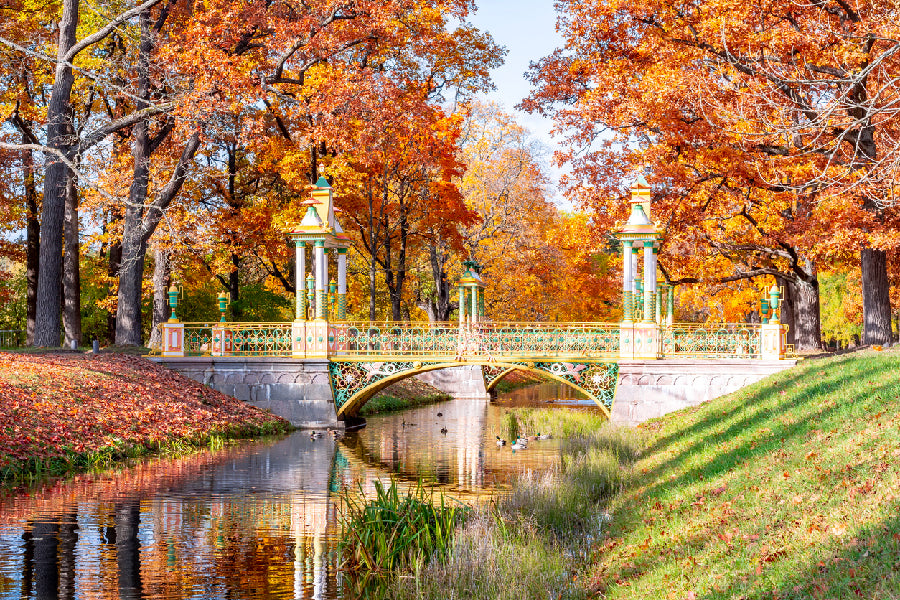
(788, 488)
(406, 393)
(64, 412)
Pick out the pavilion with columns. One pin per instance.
(648, 304)
(321, 231)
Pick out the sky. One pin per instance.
(527, 28)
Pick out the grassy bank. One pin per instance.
(408, 393)
(789, 488)
(70, 411)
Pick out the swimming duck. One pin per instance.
(500, 442)
(444, 430)
(546, 436)
(520, 445)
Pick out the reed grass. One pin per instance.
(395, 532)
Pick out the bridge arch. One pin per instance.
(355, 382)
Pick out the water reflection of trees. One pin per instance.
(191, 527)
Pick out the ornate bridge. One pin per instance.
(364, 358)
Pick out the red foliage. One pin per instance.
(53, 405)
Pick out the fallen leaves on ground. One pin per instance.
(56, 405)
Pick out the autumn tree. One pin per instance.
(669, 86)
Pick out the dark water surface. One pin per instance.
(260, 520)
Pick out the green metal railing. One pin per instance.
(237, 339)
(488, 340)
(387, 340)
(712, 340)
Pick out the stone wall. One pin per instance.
(296, 390)
(650, 389)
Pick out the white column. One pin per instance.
(300, 286)
(649, 269)
(475, 291)
(649, 282)
(342, 273)
(627, 273)
(462, 305)
(634, 269)
(320, 280)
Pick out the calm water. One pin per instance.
(257, 521)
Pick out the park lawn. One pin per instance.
(789, 488)
(69, 411)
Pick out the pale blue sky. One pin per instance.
(528, 30)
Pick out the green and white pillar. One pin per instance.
(310, 291)
(342, 284)
(300, 280)
(462, 305)
(627, 281)
(321, 278)
(649, 283)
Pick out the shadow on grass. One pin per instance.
(748, 414)
(836, 398)
(865, 565)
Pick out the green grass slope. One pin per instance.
(789, 488)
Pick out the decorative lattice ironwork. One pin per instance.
(712, 340)
(482, 340)
(237, 339)
(350, 378)
(396, 339)
(493, 372)
(598, 379)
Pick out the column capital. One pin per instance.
(299, 244)
(342, 251)
(320, 243)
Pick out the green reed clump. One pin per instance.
(394, 533)
(510, 425)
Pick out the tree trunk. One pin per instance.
(32, 244)
(442, 306)
(161, 282)
(131, 271)
(876, 298)
(68, 566)
(234, 288)
(138, 229)
(372, 283)
(72, 268)
(56, 175)
(112, 271)
(807, 321)
(127, 520)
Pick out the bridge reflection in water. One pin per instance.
(257, 521)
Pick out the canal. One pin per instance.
(258, 520)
